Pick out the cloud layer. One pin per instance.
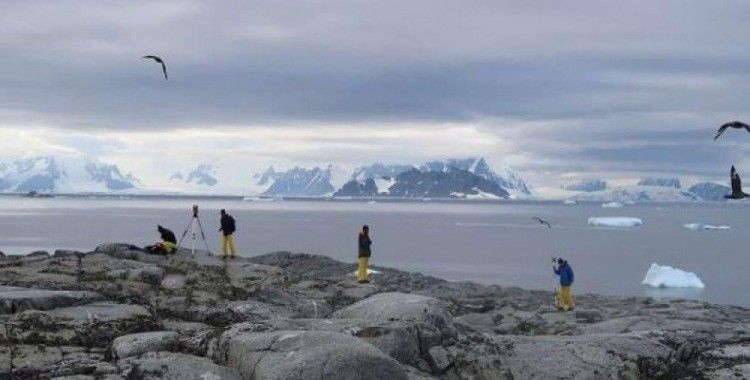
(558, 89)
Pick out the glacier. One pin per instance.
(615, 221)
(664, 276)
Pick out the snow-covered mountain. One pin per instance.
(661, 182)
(709, 191)
(355, 188)
(638, 194)
(588, 185)
(303, 182)
(268, 177)
(379, 171)
(203, 175)
(449, 183)
(507, 179)
(65, 174)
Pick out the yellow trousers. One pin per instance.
(565, 299)
(169, 247)
(364, 262)
(228, 245)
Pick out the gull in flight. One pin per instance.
(731, 124)
(158, 59)
(542, 221)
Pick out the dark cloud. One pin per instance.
(653, 75)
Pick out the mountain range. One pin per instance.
(69, 174)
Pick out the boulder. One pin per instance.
(136, 344)
(170, 365)
(91, 325)
(15, 299)
(583, 357)
(305, 355)
(383, 307)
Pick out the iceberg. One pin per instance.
(664, 276)
(612, 205)
(615, 221)
(706, 227)
(569, 202)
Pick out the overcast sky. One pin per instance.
(559, 90)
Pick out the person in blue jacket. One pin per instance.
(565, 299)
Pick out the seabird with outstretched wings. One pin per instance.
(158, 59)
(542, 221)
(731, 124)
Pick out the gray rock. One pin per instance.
(405, 307)
(38, 254)
(169, 365)
(136, 344)
(91, 325)
(440, 359)
(173, 282)
(581, 357)
(17, 299)
(67, 253)
(305, 355)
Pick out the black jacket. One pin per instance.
(364, 245)
(227, 224)
(167, 235)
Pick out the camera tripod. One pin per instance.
(195, 222)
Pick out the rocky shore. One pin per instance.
(119, 313)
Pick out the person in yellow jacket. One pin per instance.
(364, 255)
(227, 229)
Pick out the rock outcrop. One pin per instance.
(120, 313)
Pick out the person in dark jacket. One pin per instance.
(364, 255)
(168, 243)
(227, 229)
(565, 300)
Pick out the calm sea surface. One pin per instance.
(487, 243)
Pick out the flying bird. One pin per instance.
(158, 59)
(542, 221)
(731, 124)
(737, 192)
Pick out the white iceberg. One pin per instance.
(707, 227)
(664, 276)
(615, 221)
(613, 205)
(569, 202)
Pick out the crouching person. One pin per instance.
(167, 245)
(565, 300)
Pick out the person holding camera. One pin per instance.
(565, 299)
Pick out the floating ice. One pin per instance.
(612, 205)
(707, 227)
(569, 202)
(615, 221)
(664, 276)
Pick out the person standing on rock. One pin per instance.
(227, 229)
(565, 296)
(364, 255)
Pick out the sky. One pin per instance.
(557, 90)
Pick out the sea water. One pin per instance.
(491, 243)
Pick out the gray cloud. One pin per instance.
(636, 85)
